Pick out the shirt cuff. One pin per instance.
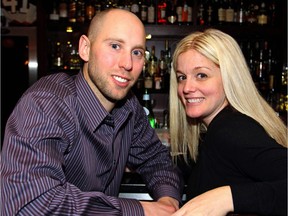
(131, 207)
(166, 190)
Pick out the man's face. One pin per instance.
(116, 57)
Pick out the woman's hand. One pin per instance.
(216, 202)
(165, 206)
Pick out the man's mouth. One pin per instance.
(120, 79)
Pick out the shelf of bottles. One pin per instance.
(255, 24)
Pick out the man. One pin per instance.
(69, 139)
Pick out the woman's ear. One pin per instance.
(84, 48)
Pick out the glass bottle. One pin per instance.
(161, 12)
(54, 15)
(89, 10)
(80, 11)
(240, 19)
(179, 10)
(221, 13)
(72, 11)
(200, 14)
(262, 16)
(147, 105)
(229, 17)
(152, 63)
(144, 11)
(171, 12)
(160, 73)
(135, 7)
(57, 57)
(151, 13)
(63, 10)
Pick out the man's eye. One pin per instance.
(137, 53)
(115, 46)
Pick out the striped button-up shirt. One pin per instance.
(64, 154)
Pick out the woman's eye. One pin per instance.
(201, 75)
(180, 78)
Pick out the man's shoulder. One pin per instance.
(59, 84)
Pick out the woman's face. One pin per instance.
(200, 86)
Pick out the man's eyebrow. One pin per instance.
(140, 46)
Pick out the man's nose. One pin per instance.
(126, 61)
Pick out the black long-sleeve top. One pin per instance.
(237, 151)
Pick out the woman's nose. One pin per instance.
(189, 86)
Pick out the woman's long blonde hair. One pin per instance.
(239, 88)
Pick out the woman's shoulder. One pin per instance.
(231, 126)
(231, 118)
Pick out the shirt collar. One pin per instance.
(94, 110)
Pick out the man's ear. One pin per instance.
(84, 48)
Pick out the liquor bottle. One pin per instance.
(72, 11)
(63, 10)
(160, 73)
(187, 12)
(229, 17)
(163, 132)
(135, 7)
(184, 12)
(148, 80)
(209, 13)
(167, 55)
(179, 10)
(151, 13)
(262, 74)
(221, 12)
(171, 12)
(240, 11)
(54, 15)
(161, 12)
(262, 16)
(97, 6)
(200, 14)
(152, 63)
(147, 105)
(89, 11)
(272, 14)
(252, 13)
(80, 11)
(168, 60)
(271, 97)
(189, 15)
(144, 11)
(57, 56)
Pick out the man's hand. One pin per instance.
(164, 206)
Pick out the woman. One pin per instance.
(220, 121)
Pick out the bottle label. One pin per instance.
(151, 15)
(148, 83)
(262, 19)
(229, 15)
(221, 14)
(146, 111)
